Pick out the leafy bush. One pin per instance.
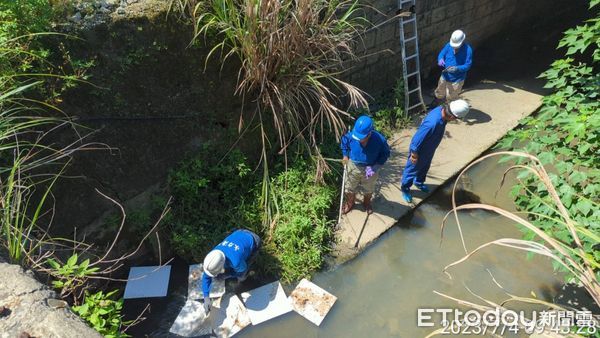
(303, 231)
(72, 274)
(103, 313)
(211, 198)
(564, 135)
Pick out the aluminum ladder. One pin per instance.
(411, 67)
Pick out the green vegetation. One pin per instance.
(291, 55)
(564, 135)
(213, 197)
(31, 53)
(30, 83)
(103, 313)
(72, 274)
(390, 117)
(20, 213)
(302, 234)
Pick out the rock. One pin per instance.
(56, 303)
(26, 310)
(121, 11)
(76, 18)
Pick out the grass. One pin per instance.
(303, 233)
(291, 56)
(19, 213)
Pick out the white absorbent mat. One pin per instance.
(266, 302)
(227, 317)
(311, 301)
(147, 281)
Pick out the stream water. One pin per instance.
(380, 291)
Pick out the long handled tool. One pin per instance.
(342, 197)
(361, 230)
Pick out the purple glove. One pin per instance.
(441, 62)
(369, 172)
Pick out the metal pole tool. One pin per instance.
(342, 196)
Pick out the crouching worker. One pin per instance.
(229, 259)
(365, 151)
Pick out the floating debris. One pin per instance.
(195, 284)
(227, 317)
(231, 317)
(147, 281)
(311, 301)
(266, 302)
(191, 321)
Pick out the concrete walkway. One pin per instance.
(495, 109)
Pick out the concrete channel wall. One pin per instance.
(381, 63)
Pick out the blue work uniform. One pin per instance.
(462, 60)
(375, 153)
(238, 249)
(424, 143)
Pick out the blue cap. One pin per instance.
(362, 128)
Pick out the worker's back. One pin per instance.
(237, 248)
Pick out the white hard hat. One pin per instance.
(214, 263)
(457, 38)
(459, 108)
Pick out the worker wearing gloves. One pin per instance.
(229, 259)
(365, 151)
(456, 59)
(425, 142)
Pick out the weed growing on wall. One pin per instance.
(390, 115)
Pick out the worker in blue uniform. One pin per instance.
(425, 142)
(364, 151)
(229, 259)
(456, 59)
